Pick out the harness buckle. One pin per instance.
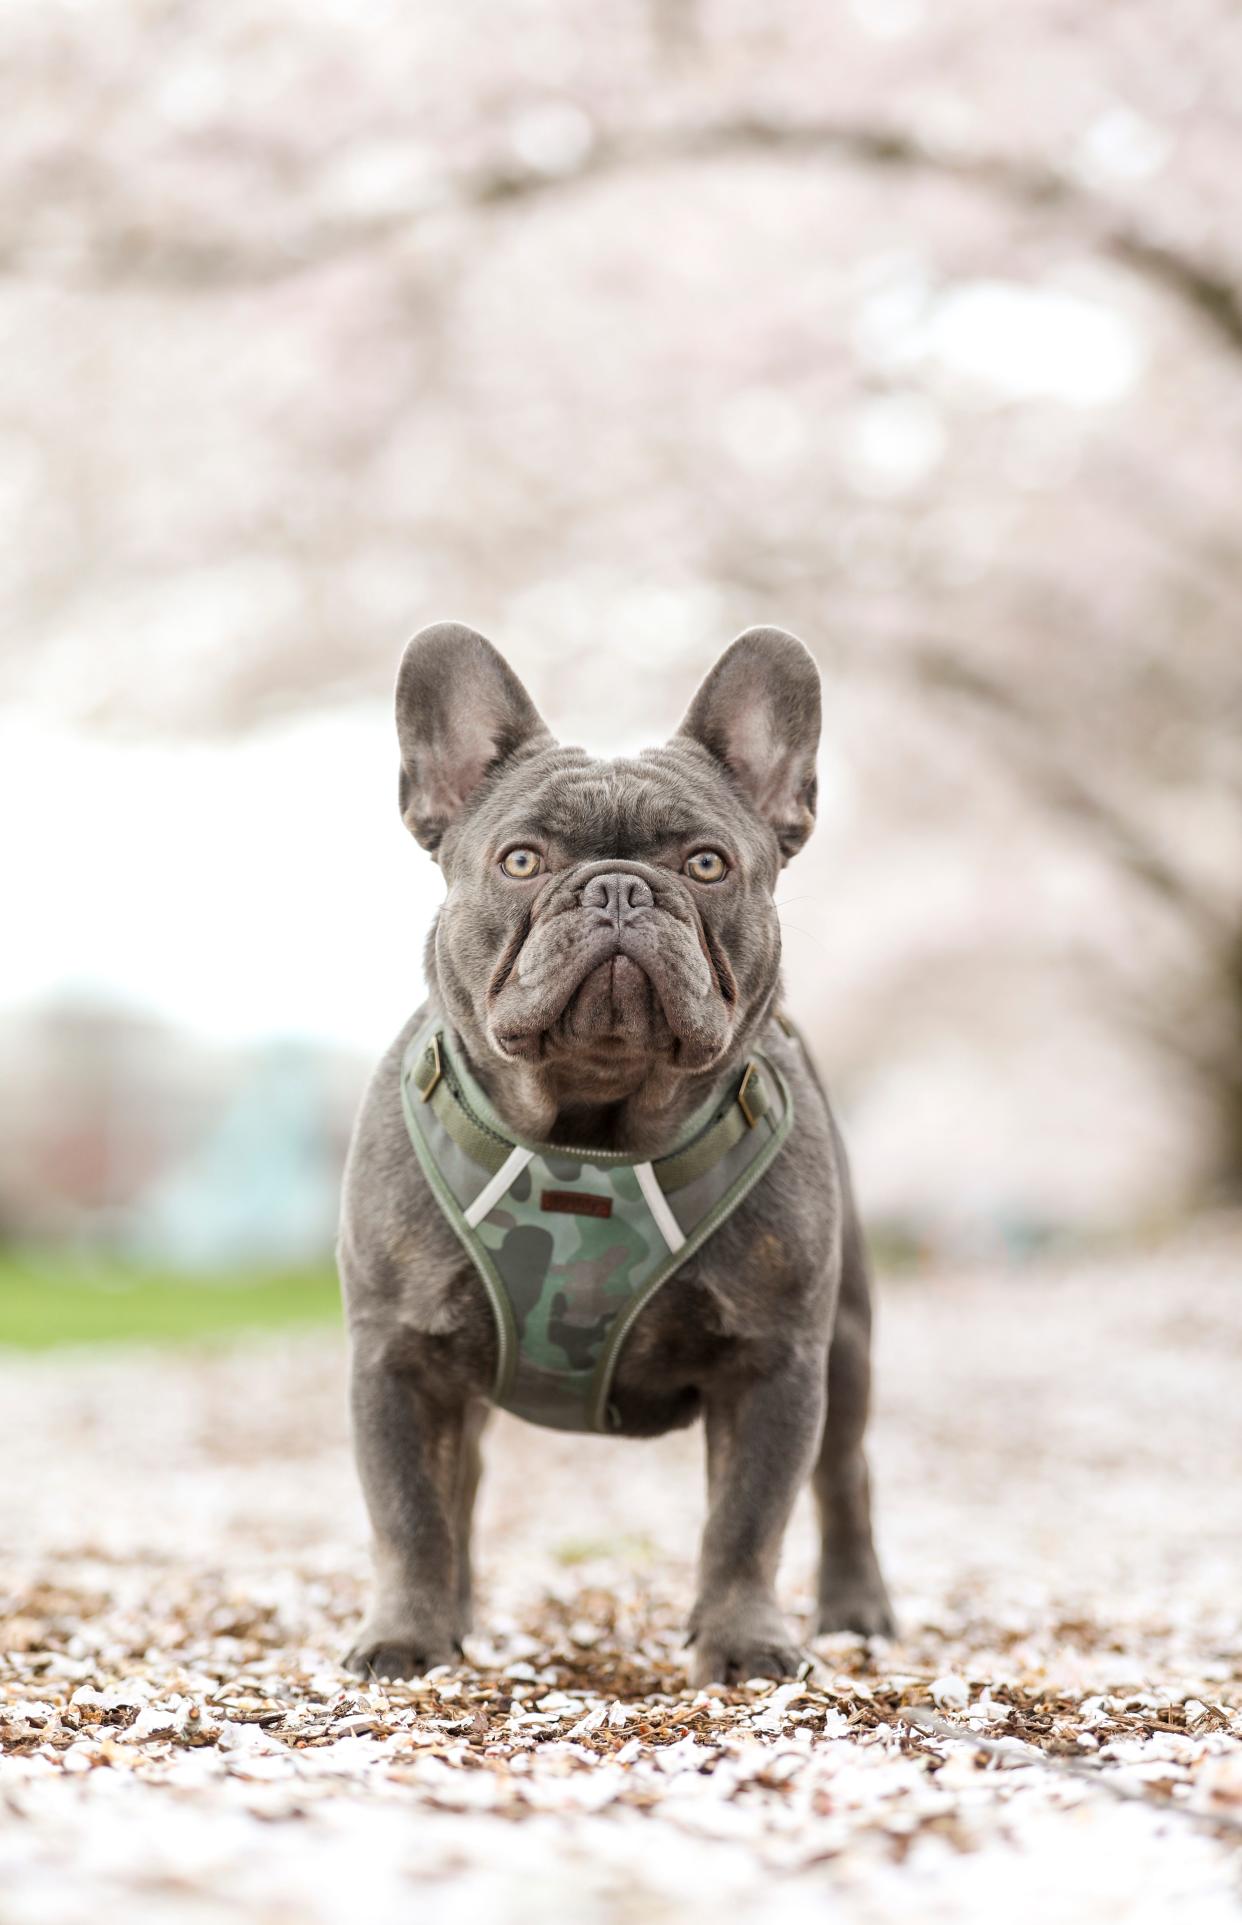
(425, 1089)
(749, 1076)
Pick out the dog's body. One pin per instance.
(607, 956)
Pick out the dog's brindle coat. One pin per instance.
(599, 1000)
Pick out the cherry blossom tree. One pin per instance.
(919, 331)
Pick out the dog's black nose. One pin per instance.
(621, 894)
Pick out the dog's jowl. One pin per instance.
(596, 1180)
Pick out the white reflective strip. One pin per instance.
(657, 1203)
(489, 1196)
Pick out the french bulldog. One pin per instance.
(607, 955)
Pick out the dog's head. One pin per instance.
(607, 923)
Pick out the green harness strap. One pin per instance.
(488, 1148)
(571, 1244)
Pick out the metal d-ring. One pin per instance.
(437, 1070)
(748, 1077)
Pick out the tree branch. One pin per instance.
(1058, 782)
(127, 251)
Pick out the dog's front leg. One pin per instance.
(411, 1451)
(762, 1439)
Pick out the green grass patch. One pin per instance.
(48, 1300)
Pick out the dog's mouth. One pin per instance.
(648, 984)
(615, 1007)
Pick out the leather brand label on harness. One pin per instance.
(576, 1203)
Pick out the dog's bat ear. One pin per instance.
(758, 713)
(461, 712)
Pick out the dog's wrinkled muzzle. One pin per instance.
(615, 955)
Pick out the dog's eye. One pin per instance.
(706, 866)
(522, 864)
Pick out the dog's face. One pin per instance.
(610, 923)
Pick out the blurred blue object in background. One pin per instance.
(261, 1185)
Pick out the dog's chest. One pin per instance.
(577, 1250)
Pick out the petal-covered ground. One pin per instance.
(1058, 1733)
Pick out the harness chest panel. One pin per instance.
(572, 1244)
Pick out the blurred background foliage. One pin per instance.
(917, 330)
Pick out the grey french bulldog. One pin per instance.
(605, 962)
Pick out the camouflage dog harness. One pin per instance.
(572, 1244)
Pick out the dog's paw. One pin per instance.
(393, 1658)
(732, 1662)
(730, 1647)
(860, 1607)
